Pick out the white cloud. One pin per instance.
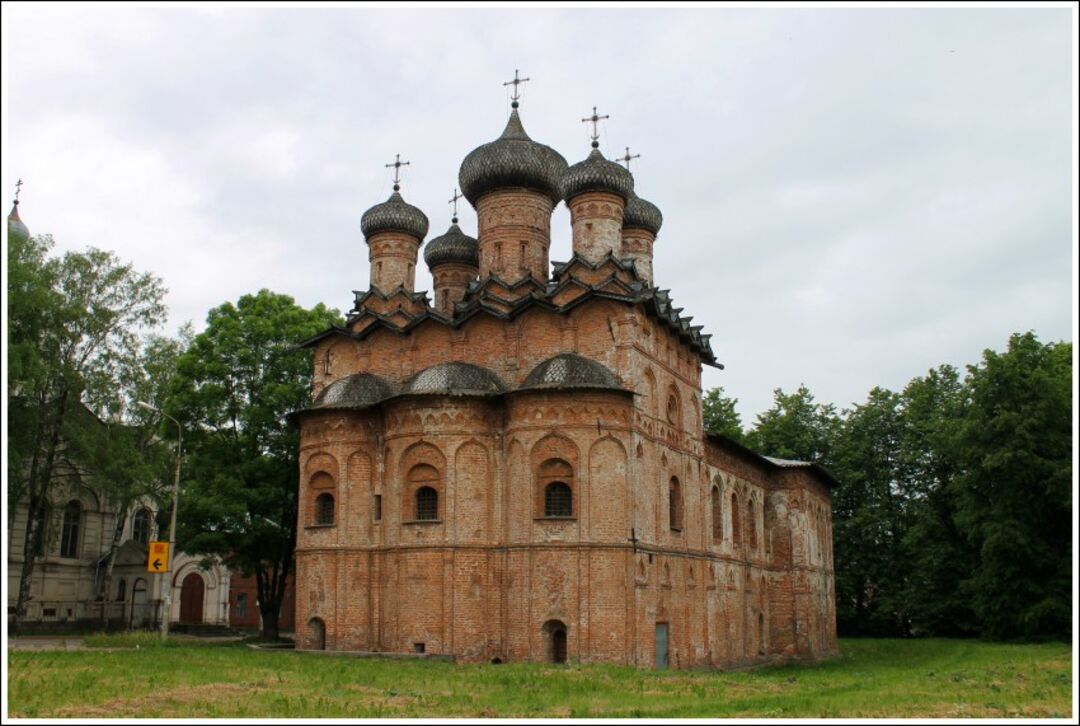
(850, 196)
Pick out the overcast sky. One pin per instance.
(850, 196)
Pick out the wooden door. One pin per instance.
(191, 600)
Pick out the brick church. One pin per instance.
(518, 470)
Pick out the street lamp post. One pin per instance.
(165, 588)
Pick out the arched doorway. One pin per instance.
(191, 599)
(318, 634)
(555, 634)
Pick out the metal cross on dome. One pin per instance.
(18, 184)
(515, 83)
(453, 200)
(595, 120)
(398, 163)
(626, 159)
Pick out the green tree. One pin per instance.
(76, 328)
(796, 428)
(870, 518)
(1014, 498)
(937, 553)
(234, 386)
(720, 414)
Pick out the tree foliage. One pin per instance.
(954, 511)
(720, 415)
(77, 333)
(235, 384)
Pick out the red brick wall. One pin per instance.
(246, 586)
(482, 581)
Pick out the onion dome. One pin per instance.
(394, 215)
(569, 370)
(456, 378)
(359, 390)
(512, 160)
(641, 214)
(17, 231)
(453, 246)
(596, 174)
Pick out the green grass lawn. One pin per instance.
(871, 678)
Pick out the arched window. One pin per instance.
(43, 519)
(69, 536)
(736, 535)
(140, 526)
(423, 487)
(675, 504)
(751, 524)
(427, 504)
(555, 489)
(241, 605)
(558, 501)
(324, 509)
(717, 515)
(121, 591)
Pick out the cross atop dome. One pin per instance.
(453, 201)
(18, 189)
(627, 157)
(595, 121)
(398, 163)
(516, 94)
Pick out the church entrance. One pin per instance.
(191, 600)
(555, 631)
(661, 646)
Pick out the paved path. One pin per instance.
(51, 642)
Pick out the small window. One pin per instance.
(751, 524)
(140, 526)
(427, 504)
(121, 591)
(736, 535)
(241, 605)
(674, 504)
(324, 509)
(378, 508)
(558, 500)
(69, 541)
(418, 647)
(48, 612)
(717, 516)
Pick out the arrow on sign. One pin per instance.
(157, 564)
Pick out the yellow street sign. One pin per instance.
(158, 561)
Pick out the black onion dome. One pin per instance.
(359, 390)
(17, 231)
(456, 378)
(394, 215)
(569, 370)
(512, 160)
(641, 214)
(596, 174)
(454, 246)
